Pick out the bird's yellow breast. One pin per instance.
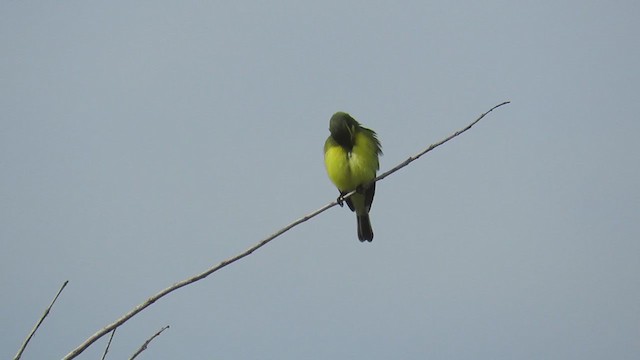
(349, 169)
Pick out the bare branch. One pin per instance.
(433, 146)
(77, 351)
(106, 350)
(253, 248)
(146, 343)
(35, 328)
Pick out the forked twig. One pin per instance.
(146, 343)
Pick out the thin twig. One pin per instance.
(35, 328)
(77, 351)
(433, 146)
(253, 248)
(106, 350)
(146, 343)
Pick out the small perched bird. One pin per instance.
(351, 158)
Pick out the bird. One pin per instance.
(351, 155)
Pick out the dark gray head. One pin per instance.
(343, 127)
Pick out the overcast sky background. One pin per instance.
(143, 142)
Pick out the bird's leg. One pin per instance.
(340, 200)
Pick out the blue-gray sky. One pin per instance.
(142, 142)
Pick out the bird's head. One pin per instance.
(343, 128)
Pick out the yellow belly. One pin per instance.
(348, 170)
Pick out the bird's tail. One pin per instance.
(365, 232)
